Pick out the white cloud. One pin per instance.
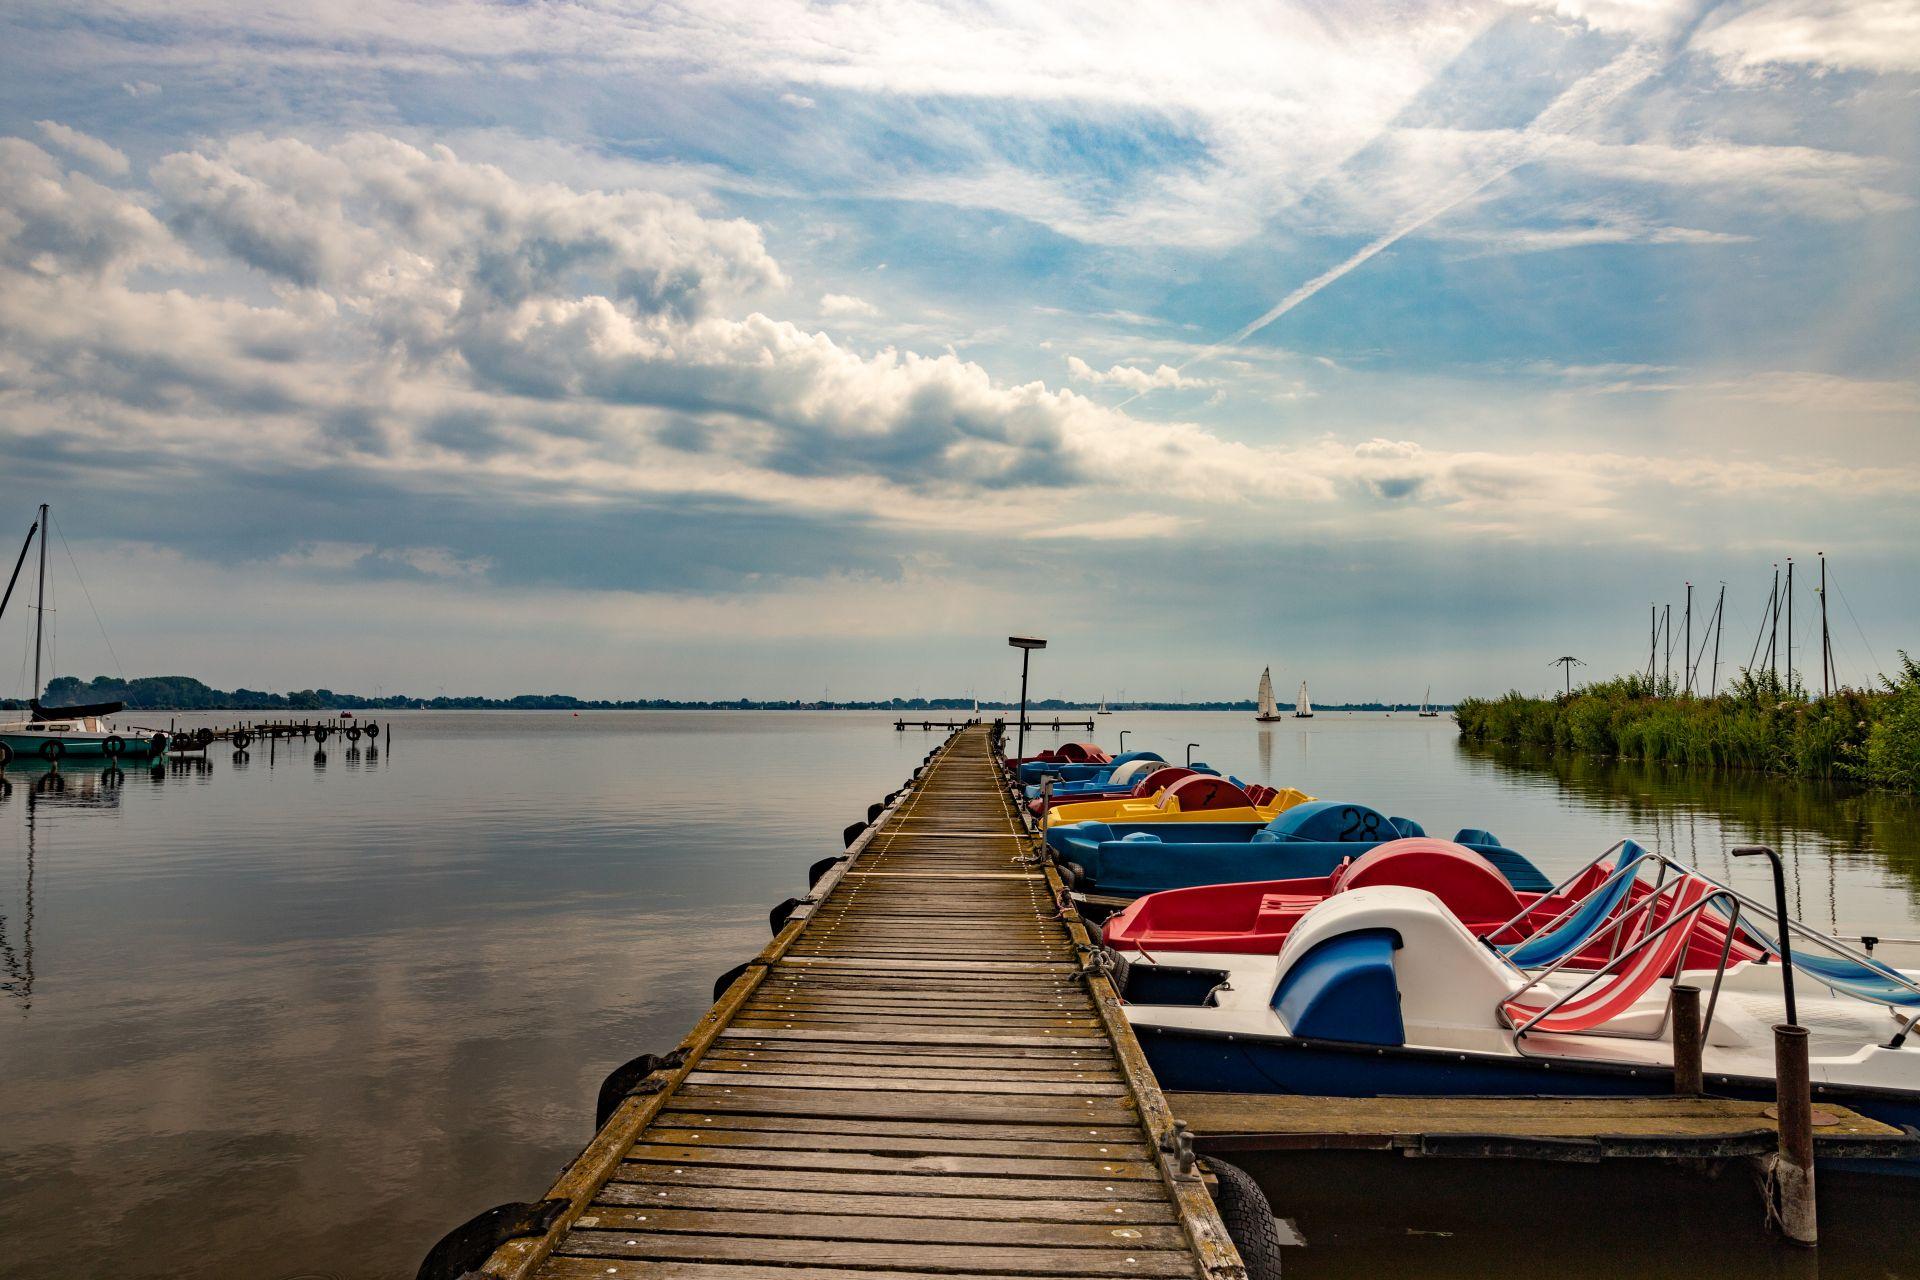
(1138, 381)
(845, 304)
(798, 101)
(86, 147)
(442, 325)
(1850, 35)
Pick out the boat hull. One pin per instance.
(31, 748)
(1197, 1061)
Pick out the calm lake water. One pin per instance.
(268, 1017)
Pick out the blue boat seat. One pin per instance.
(1586, 920)
(1344, 988)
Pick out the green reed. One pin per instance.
(1761, 722)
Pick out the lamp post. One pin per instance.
(1026, 645)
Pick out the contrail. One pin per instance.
(1579, 103)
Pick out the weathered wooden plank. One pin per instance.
(832, 1035)
(933, 1069)
(571, 1268)
(843, 1253)
(649, 1152)
(1012, 1129)
(1033, 1090)
(914, 1106)
(787, 1200)
(656, 1182)
(886, 1228)
(878, 1145)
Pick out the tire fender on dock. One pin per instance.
(1248, 1218)
(463, 1250)
(778, 917)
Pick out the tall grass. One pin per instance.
(1868, 736)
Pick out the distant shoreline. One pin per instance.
(184, 693)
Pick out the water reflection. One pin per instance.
(401, 985)
(1843, 846)
(16, 933)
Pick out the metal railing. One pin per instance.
(1732, 907)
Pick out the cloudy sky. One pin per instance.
(770, 348)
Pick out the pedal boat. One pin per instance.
(1118, 862)
(1050, 762)
(1091, 777)
(1140, 779)
(1195, 798)
(1257, 918)
(1382, 990)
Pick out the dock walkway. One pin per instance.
(926, 1073)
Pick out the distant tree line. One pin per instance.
(184, 693)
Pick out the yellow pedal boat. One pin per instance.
(1198, 797)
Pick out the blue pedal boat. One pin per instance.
(1113, 863)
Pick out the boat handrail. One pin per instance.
(1737, 904)
(1712, 892)
(1626, 867)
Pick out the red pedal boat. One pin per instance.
(1255, 918)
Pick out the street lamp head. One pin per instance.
(1026, 642)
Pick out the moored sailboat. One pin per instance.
(53, 734)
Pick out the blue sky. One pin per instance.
(772, 348)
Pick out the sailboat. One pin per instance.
(1269, 709)
(1103, 709)
(1303, 705)
(1426, 700)
(55, 733)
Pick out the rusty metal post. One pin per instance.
(1689, 1077)
(1793, 1166)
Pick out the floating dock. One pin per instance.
(866, 1100)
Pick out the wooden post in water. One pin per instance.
(1689, 1078)
(1793, 1164)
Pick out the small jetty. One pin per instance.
(862, 1100)
(243, 735)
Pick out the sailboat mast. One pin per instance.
(40, 604)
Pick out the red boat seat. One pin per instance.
(1470, 886)
(1201, 792)
(1279, 911)
(1159, 780)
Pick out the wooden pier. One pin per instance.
(925, 1073)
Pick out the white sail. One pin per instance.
(1425, 698)
(1269, 709)
(1303, 706)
